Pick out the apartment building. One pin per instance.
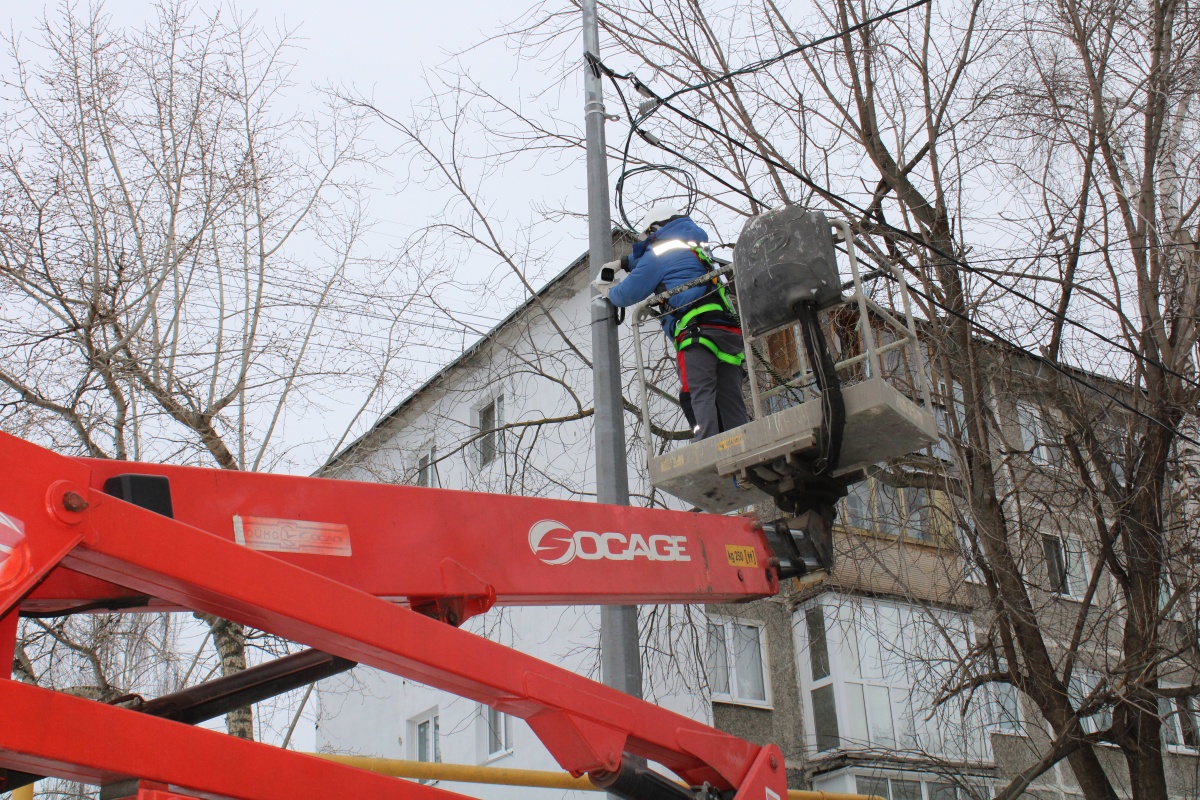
(861, 676)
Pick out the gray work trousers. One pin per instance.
(715, 386)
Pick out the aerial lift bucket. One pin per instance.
(784, 272)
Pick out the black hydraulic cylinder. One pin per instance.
(219, 696)
(634, 781)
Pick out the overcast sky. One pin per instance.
(385, 52)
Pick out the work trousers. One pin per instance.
(714, 386)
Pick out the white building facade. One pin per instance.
(831, 676)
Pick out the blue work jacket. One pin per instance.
(659, 272)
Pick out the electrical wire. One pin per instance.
(942, 253)
(900, 232)
(758, 66)
(832, 196)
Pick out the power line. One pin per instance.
(758, 66)
(829, 194)
(833, 196)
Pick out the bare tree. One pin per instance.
(183, 267)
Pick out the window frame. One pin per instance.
(1083, 682)
(856, 662)
(493, 441)
(826, 682)
(907, 500)
(1185, 704)
(432, 717)
(1068, 575)
(432, 478)
(927, 782)
(486, 713)
(731, 697)
(1042, 446)
(1015, 726)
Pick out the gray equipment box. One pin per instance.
(881, 424)
(784, 257)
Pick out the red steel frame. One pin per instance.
(449, 554)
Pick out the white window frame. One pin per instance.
(1171, 722)
(433, 478)
(432, 718)
(858, 669)
(496, 403)
(928, 782)
(812, 684)
(1038, 438)
(1082, 683)
(972, 572)
(731, 697)
(1000, 723)
(493, 720)
(1076, 568)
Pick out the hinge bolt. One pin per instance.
(774, 763)
(73, 501)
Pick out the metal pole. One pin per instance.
(620, 663)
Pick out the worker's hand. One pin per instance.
(609, 277)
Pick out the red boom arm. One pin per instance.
(316, 561)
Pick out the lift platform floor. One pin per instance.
(881, 423)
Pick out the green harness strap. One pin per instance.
(724, 307)
(736, 360)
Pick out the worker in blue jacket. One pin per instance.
(701, 322)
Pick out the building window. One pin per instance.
(1180, 724)
(424, 739)
(870, 671)
(1066, 565)
(1038, 437)
(427, 469)
(1080, 690)
(737, 662)
(498, 733)
(491, 439)
(948, 412)
(824, 706)
(914, 789)
(1006, 707)
(971, 552)
(912, 512)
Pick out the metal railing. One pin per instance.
(870, 356)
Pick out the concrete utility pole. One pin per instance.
(620, 662)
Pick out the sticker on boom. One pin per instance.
(292, 536)
(739, 556)
(730, 441)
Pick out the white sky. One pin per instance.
(384, 51)
(380, 49)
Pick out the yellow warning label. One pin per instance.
(671, 464)
(739, 556)
(730, 441)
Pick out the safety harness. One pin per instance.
(688, 328)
